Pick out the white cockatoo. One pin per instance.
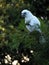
(31, 21)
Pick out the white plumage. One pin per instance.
(31, 21)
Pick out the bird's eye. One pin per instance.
(25, 13)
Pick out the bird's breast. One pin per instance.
(29, 28)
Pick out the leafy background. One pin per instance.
(13, 32)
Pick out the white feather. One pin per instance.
(32, 23)
(32, 20)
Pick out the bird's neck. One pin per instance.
(28, 17)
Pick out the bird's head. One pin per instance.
(25, 13)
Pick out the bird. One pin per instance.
(32, 22)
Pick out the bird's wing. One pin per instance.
(34, 21)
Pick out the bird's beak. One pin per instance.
(23, 14)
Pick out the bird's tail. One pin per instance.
(42, 39)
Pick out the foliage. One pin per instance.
(13, 32)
